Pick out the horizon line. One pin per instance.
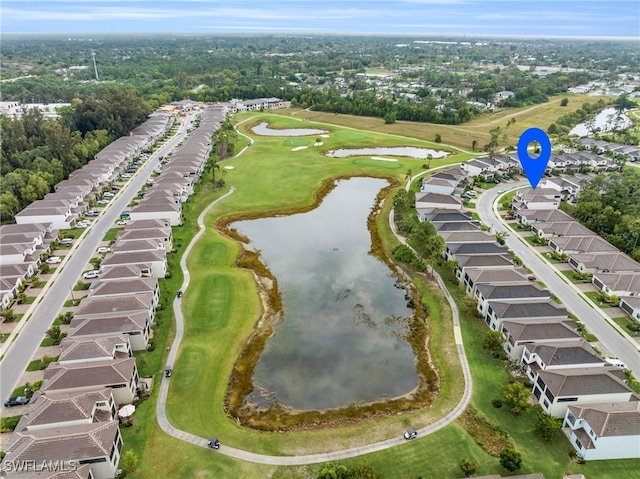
(327, 33)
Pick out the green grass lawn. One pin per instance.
(221, 307)
(595, 296)
(572, 277)
(34, 365)
(110, 236)
(628, 325)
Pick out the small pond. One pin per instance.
(604, 121)
(345, 315)
(409, 151)
(264, 130)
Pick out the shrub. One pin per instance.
(510, 459)
(468, 468)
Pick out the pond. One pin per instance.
(264, 130)
(409, 151)
(342, 340)
(603, 121)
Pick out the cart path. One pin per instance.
(167, 427)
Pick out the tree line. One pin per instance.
(609, 205)
(39, 152)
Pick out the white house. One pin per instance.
(608, 430)
(558, 389)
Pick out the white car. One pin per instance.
(53, 260)
(126, 175)
(103, 202)
(501, 191)
(104, 249)
(122, 222)
(67, 241)
(91, 275)
(109, 194)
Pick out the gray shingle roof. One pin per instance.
(611, 419)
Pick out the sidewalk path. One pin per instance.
(167, 427)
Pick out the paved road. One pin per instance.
(167, 427)
(592, 317)
(58, 289)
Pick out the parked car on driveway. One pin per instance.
(16, 401)
(91, 213)
(108, 194)
(53, 260)
(104, 249)
(91, 274)
(103, 202)
(509, 217)
(126, 175)
(66, 241)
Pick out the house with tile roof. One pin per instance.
(558, 355)
(556, 390)
(522, 293)
(499, 311)
(474, 276)
(82, 350)
(120, 375)
(97, 445)
(604, 262)
(608, 430)
(53, 410)
(617, 284)
(135, 325)
(519, 333)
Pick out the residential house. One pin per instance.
(529, 216)
(608, 430)
(155, 261)
(558, 389)
(78, 472)
(454, 249)
(97, 445)
(60, 216)
(474, 276)
(437, 200)
(53, 410)
(135, 325)
(83, 350)
(161, 234)
(631, 306)
(443, 226)
(129, 304)
(501, 262)
(499, 311)
(440, 215)
(556, 354)
(127, 287)
(512, 293)
(136, 245)
(119, 375)
(603, 262)
(467, 237)
(170, 210)
(548, 230)
(580, 244)
(518, 333)
(124, 271)
(617, 284)
(438, 185)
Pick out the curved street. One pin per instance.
(593, 318)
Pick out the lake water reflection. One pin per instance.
(340, 340)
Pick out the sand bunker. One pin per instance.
(324, 136)
(318, 143)
(379, 158)
(298, 148)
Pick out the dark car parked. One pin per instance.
(16, 401)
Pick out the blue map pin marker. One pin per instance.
(534, 167)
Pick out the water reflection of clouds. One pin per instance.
(319, 351)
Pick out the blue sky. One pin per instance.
(573, 18)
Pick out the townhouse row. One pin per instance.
(74, 417)
(569, 379)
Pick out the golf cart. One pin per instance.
(213, 443)
(410, 434)
(167, 372)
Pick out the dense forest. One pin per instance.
(38, 152)
(610, 206)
